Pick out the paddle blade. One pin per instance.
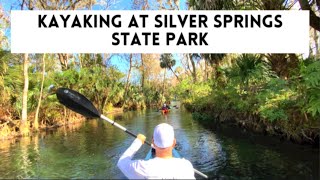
(77, 102)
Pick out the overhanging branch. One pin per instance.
(314, 19)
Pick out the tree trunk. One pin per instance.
(316, 43)
(194, 70)
(216, 69)
(205, 71)
(80, 63)
(174, 73)
(103, 104)
(24, 129)
(128, 78)
(187, 66)
(63, 58)
(142, 71)
(164, 80)
(36, 121)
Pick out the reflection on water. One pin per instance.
(92, 149)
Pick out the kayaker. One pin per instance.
(163, 166)
(165, 107)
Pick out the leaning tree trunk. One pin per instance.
(24, 129)
(164, 80)
(174, 74)
(36, 121)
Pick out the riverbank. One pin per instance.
(306, 133)
(10, 129)
(251, 94)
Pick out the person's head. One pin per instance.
(163, 137)
(164, 105)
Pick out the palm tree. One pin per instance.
(167, 62)
(214, 60)
(248, 67)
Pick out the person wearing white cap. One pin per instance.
(163, 166)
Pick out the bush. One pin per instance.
(310, 87)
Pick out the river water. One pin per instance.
(90, 150)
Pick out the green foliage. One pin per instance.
(251, 87)
(152, 95)
(13, 86)
(245, 78)
(275, 99)
(189, 91)
(201, 116)
(136, 99)
(310, 87)
(249, 69)
(99, 84)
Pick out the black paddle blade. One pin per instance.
(77, 102)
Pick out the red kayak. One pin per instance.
(165, 111)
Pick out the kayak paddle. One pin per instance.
(80, 104)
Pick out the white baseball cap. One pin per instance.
(163, 135)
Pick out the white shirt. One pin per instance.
(156, 168)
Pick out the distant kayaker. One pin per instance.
(165, 107)
(163, 166)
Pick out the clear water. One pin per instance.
(91, 150)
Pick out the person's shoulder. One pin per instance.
(184, 161)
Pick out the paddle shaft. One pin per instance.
(135, 136)
(121, 127)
